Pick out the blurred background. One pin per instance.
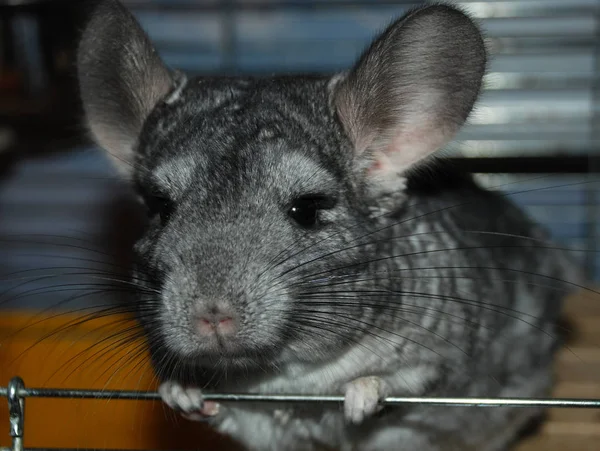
(534, 135)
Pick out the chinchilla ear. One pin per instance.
(121, 79)
(411, 90)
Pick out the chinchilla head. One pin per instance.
(257, 186)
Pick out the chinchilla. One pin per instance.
(302, 239)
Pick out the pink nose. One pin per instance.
(215, 323)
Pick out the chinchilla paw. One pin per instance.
(187, 400)
(362, 398)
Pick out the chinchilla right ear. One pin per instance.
(410, 92)
(121, 79)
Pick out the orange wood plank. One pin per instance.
(80, 356)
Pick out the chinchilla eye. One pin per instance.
(305, 209)
(161, 206)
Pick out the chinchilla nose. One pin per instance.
(215, 320)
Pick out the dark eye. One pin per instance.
(305, 209)
(160, 206)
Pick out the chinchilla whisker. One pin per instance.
(372, 232)
(387, 341)
(118, 366)
(322, 316)
(88, 291)
(369, 233)
(70, 271)
(414, 254)
(105, 352)
(70, 325)
(408, 309)
(178, 370)
(432, 312)
(517, 182)
(125, 269)
(494, 308)
(445, 268)
(482, 306)
(380, 229)
(65, 328)
(423, 311)
(394, 224)
(304, 263)
(347, 279)
(425, 295)
(58, 284)
(140, 364)
(165, 361)
(75, 237)
(97, 311)
(273, 262)
(24, 239)
(69, 274)
(143, 367)
(444, 339)
(300, 317)
(413, 323)
(391, 342)
(527, 245)
(430, 233)
(134, 165)
(544, 188)
(404, 308)
(357, 301)
(306, 248)
(56, 288)
(89, 274)
(318, 326)
(110, 343)
(513, 235)
(529, 273)
(316, 323)
(294, 243)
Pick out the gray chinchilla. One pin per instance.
(303, 240)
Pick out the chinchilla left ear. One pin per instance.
(121, 79)
(411, 90)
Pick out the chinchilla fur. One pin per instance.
(304, 239)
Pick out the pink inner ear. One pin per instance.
(406, 149)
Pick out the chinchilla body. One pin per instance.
(301, 240)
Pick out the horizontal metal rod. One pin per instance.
(248, 397)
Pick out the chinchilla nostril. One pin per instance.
(215, 323)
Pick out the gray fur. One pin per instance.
(417, 277)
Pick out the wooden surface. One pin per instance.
(68, 351)
(62, 351)
(578, 376)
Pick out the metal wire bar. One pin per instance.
(266, 398)
(16, 393)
